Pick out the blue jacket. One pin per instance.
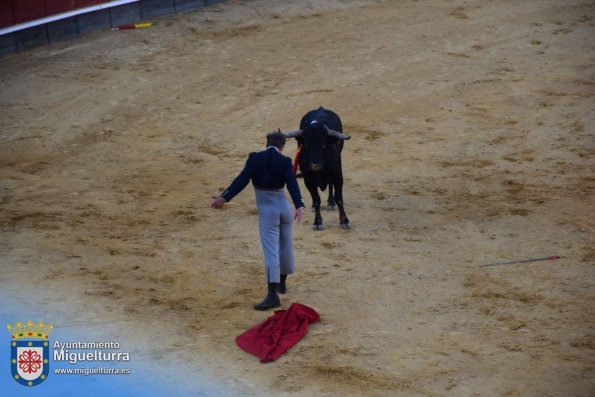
(267, 169)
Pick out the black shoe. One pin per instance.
(282, 288)
(271, 300)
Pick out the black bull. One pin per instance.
(320, 139)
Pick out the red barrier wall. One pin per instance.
(13, 12)
(87, 3)
(6, 18)
(25, 10)
(58, 6)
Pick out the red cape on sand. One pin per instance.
(275, 335)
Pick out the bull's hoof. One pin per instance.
(344, 221)
(317, 227)
(331, 207)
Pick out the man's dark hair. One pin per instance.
(276, 139)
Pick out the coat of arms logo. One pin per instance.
(29, 348)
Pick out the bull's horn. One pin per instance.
(293, 134)
(338, 134)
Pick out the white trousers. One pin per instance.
(275, 218)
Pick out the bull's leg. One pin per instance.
(313, 189)
(331, 197)
(338, 182)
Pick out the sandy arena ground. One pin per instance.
(473, 142)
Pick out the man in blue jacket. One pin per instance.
(270, 171)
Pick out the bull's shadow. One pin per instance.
(320, 142)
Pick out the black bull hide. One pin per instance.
(320, 160)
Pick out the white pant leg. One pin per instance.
(287, 260)
(269, 220)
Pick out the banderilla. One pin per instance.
(547, 258)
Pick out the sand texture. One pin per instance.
(472, 127)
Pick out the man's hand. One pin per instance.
(218, 202)
(299, 212)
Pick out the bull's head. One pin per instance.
(314, 140)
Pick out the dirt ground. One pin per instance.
(473, 142)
